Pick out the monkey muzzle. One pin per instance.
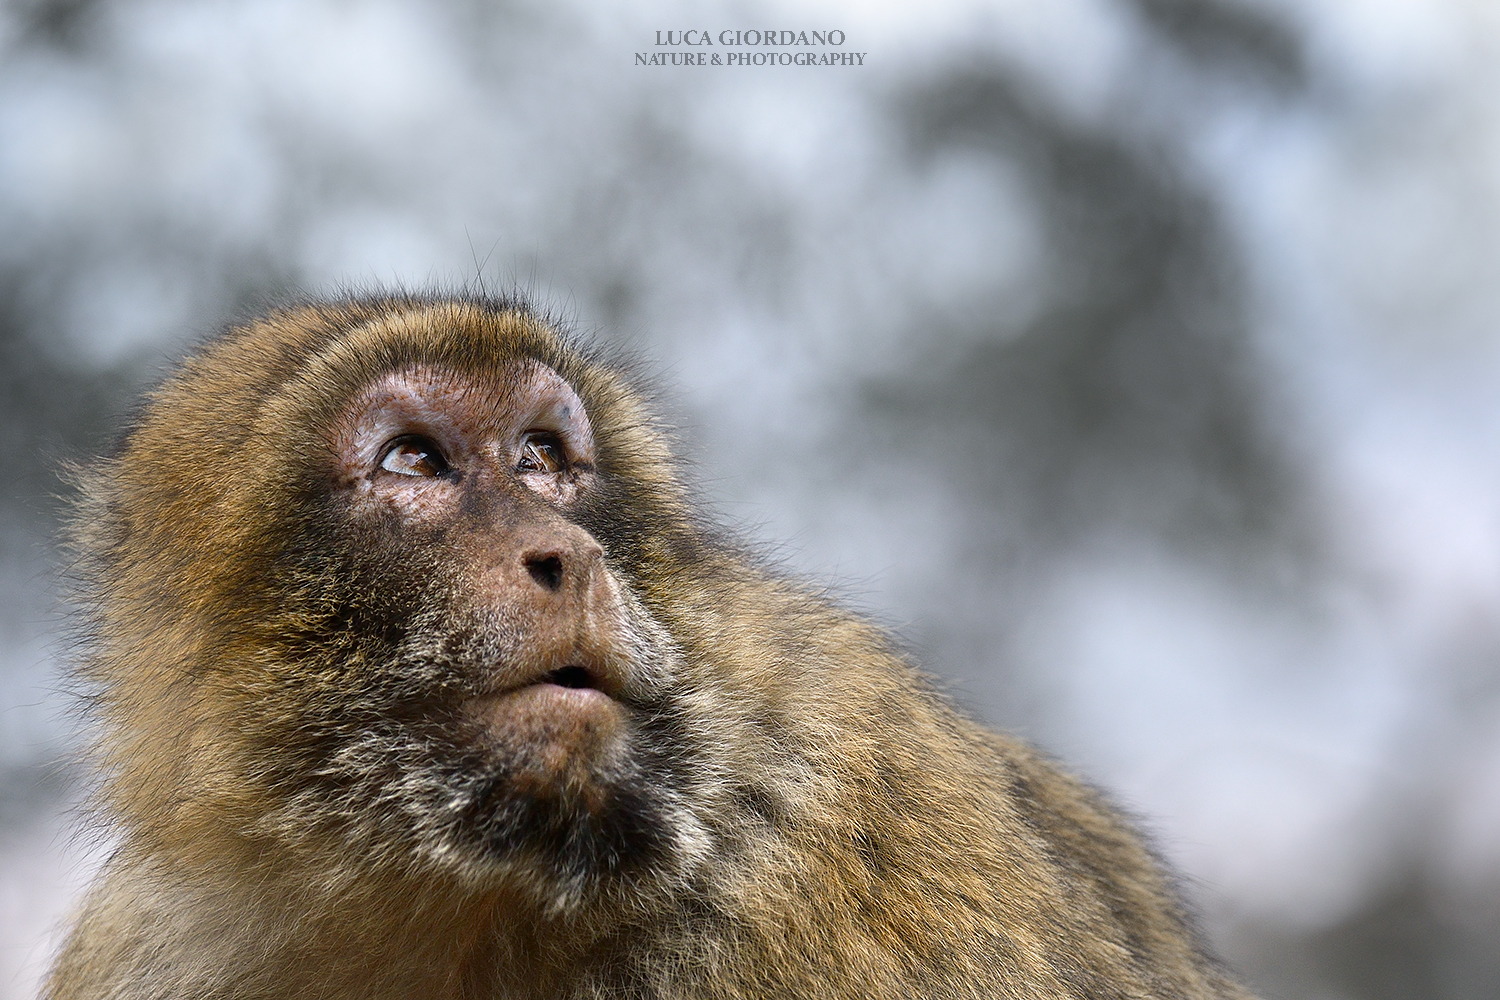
(551, 714)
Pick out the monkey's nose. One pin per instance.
(557, 567)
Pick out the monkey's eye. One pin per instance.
(540, 452)
(413, 455)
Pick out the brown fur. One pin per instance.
(796, 813)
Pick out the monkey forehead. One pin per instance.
(463, 410)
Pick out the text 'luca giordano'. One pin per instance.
(770, 47)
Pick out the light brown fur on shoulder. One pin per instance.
(487, 711)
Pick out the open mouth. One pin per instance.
(575, 673)
(574, 677)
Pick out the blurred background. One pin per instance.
(1138, 361)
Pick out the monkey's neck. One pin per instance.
(355, 934)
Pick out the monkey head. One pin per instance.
(408, 612)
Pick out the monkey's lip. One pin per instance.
(544, 725)
(576, 681)
(541, 692)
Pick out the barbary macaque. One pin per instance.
(417, 673)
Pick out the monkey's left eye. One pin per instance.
(414, 455)
(540, 452)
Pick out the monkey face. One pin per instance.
(476, 682)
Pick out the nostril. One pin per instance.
(545, 570)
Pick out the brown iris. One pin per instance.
(414, 455)
(540, 452)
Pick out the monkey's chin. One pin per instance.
(551, 741)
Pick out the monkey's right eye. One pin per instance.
(414, 455)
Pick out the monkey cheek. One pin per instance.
(552, 741)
